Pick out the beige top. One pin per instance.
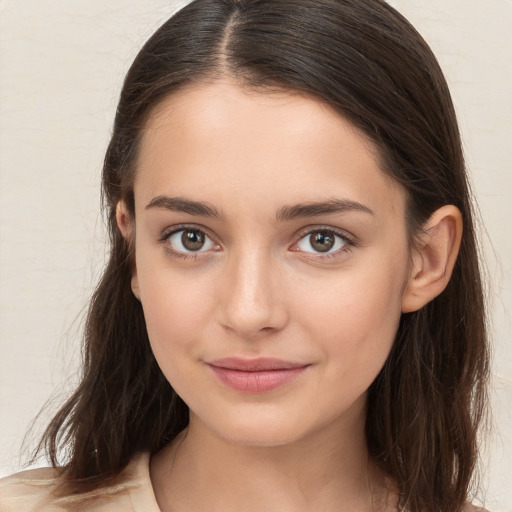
(31, 491)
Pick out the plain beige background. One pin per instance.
(61, 69)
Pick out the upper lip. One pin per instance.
(255, 365)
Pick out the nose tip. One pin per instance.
(249, 322)
(252, 304)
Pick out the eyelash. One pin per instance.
(165, 240)
(348, 241)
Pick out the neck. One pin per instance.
(329, 470)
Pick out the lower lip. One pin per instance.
(256, 381)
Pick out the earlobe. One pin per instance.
(125, 224)
(434, 259)
(135, 285)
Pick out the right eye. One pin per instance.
(189, 241)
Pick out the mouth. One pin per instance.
(256, 375)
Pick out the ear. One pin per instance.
(434, 258)
(126, 225)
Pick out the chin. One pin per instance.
(259, 430)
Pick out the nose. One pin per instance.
(252, 299)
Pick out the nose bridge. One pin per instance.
(251, 299)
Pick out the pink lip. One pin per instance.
(255, 375)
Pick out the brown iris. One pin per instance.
(322, 241)
(192, 239)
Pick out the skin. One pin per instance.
(259, 288)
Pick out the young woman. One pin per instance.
(292, 315)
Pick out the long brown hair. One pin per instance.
(366, 61)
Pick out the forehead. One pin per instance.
(218, 140)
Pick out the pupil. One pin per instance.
(322, 241)
(192, 240)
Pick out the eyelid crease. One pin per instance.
(171, 230)
(346, 236)
(165, 236)
(349, 237)
(350, 241)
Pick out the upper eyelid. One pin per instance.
(349, 237)
(299, 234)
(167, 232)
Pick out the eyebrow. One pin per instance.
(321, 208)
(179, 204)
(290, 212)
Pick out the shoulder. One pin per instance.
(468, 507)
(28, 490)
(35, 491)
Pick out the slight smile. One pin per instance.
(256, 375)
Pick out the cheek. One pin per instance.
(355, 319)
(172, 315)
(176, 310)
(175, 323)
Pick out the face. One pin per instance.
(271, 260)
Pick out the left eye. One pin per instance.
(321, 241)
(190, 240)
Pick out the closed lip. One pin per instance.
(255, 365)
(256, 375)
